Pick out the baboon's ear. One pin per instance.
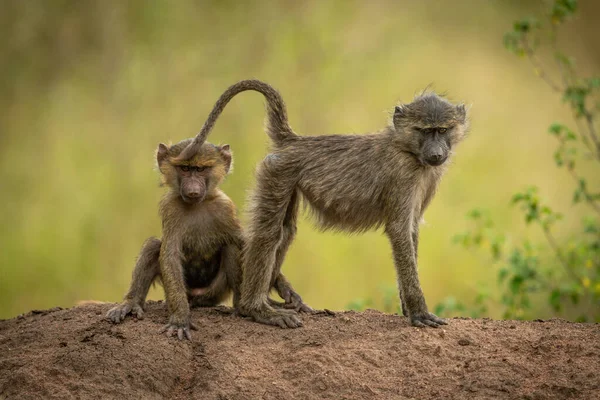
(225, 151)
(399, 114)
(462, 112)
(161, 153)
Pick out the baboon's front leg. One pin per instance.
(400, 233)
(145, 271)
(171, 272)
(415, 239)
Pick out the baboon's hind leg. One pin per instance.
(268, 211)
(292, 299)
(146, 270)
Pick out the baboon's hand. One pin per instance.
(270, 316)
(118, 313)
(294, 302)
(422, 320)
(181, 329)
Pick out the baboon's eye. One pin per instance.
(201, 168)
(442, 130)
(184, 168)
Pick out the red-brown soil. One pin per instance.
(76, 354)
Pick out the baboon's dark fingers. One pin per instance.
(124, 311)
(193, 326)
(169, 329)
(293, 322)
(139, 312)
(430, 323)
(179, 331)
(284, 311)
(305, 309)
(417, 323)
(280, 317)
(299, 307)
(110, 316)
(118, 313)
(281, 322)
(427, 319)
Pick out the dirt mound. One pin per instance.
(75, 353)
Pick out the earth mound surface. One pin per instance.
(77, 354)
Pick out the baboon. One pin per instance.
(198, 259)
(351, 183)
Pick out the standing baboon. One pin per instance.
(352, 183)
(198, 258)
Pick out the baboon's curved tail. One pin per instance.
(277, 128)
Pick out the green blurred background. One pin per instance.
(89, 88)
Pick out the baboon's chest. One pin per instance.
(202, 251)
(200, 269)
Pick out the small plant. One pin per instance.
(564, 272)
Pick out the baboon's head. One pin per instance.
(429, 127)
(196, 176)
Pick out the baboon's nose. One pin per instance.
(194, 194)
(436, 159)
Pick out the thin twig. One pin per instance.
(537, 65)
(590, 122)
(559, 254)
(585, 139)
(586, 194)
(566, 82)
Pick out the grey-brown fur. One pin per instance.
(351, 183)
(198, 259)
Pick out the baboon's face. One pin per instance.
(193, 179)
(430, 126)
(434, 144)
(192, 182)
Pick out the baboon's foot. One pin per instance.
(266, 314)
(118, 313)
(181, 329)
(292, 300)
(424, 319)
(295, 304)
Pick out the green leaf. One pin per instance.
(593, 83)
(555, 129)
(515, 283)
(555, 296)
(502, 274)
(562, 9)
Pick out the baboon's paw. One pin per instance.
(299, 306)
(278, 317)
(294, 304)
(426, 319)
(180, 330)
(118, 313)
